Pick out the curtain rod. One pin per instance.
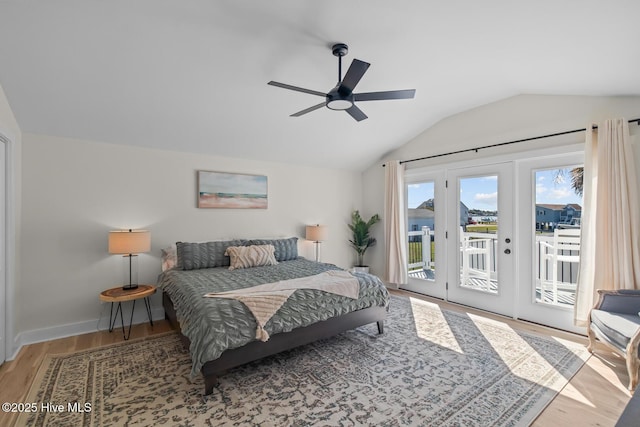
(466, 150)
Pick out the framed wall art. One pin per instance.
(231, 190)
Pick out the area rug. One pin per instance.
(431, 367)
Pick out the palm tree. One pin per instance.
(576, 175)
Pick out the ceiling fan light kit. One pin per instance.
(341, 97)
(335, 101)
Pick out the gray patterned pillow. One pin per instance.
(193, 256)
(286, 249)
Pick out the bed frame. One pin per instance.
(278, 342)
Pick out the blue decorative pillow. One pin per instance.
(286, 249)
(193, 256)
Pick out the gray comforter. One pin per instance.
(214, 325)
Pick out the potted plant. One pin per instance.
(361, 240)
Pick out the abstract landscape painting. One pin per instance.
(231, 190)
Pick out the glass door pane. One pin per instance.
(421, 220)
(558, 212)
(426, 237)
(478, 214)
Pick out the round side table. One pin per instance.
(119, 295)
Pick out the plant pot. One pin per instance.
(360, 268)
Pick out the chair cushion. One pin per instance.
(618, 328)
(622, 301)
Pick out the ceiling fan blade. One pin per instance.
(356, 113)
(308, 110)
(353, 76)
(297, 89)
(380, 96)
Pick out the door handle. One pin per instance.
(507, 251)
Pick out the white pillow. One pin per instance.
(251, 256)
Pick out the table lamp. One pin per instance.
(130, 243)
(317, 233)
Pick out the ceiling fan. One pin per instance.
(341, 97)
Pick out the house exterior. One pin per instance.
(418, 218)
(549, 216)
(424, 216)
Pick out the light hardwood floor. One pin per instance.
(595, 396)
(16, 376)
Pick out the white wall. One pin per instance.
(74, 192)
(510, 119)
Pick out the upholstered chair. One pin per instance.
(615, 321)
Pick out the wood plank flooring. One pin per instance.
(16, 376)
(595, 396)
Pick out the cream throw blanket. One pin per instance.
(265, 300)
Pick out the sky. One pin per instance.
(481, 193)
(560, 191)
(220, 182)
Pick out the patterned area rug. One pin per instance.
(431, 367)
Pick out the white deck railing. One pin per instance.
(421, 259)
(420, 256)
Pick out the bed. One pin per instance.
(221, 332)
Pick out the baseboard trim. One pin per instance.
(62, 331)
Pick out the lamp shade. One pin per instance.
(316, 233)
(129, 241)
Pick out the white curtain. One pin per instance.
(395, 227)
(609, 257)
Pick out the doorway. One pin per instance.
(3, 245)
(477, 235)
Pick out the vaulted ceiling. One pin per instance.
(192, 75)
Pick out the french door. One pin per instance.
(460, 225)
(480, 243)
(549, 213)
(503, 236)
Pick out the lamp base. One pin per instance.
(130, 272)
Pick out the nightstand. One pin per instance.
(119, 295)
